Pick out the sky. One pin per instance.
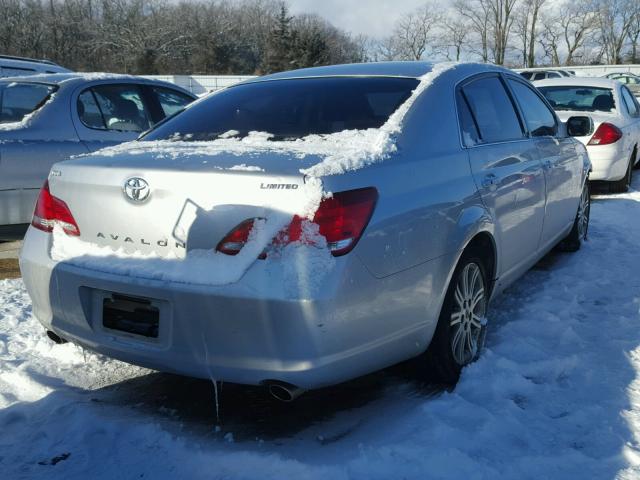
(370, 17)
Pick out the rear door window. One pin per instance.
(17, 100)
(539, 119)
(493, 110)
(121, 108)
(171, 101)
(629, 101)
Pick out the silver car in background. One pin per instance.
(48, 118)
(478, 179)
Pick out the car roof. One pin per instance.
(30, 64)
(578, 82)
(58, 78)
(630, 74)
(80, 77)
(372, 69)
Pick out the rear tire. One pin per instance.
(578, 233)
(461, 329)
(622, 185)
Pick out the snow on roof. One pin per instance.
(59, 78)
(339, 152)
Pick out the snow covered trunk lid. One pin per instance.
(169, 211)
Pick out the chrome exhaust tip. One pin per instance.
(285, 392)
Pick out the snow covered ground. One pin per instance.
(556, 394)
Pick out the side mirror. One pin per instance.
(579, 126)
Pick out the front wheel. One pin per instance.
(578, 233)
(461, 329)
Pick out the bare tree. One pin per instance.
(385, 49)
(526, 24)
(163, 36)
(455, 35)
(616, 18)
(478, 15)
(491, 22)
(413, 33)
(502, 20)
(567, 30)
(634, 34)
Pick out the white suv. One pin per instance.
(19, 66)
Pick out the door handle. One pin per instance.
(490, 181)
(547, 165)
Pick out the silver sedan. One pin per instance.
(302, 229)
(47, 118)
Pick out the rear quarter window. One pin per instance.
(17, 100)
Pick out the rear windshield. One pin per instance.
(18, 100)
(290, 109)
(587, 99)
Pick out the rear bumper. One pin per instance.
(609, 162)
(247, 332)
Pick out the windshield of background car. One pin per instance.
(290, 109)
(584, 99)
(17, 100)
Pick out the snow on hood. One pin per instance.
(335, 154)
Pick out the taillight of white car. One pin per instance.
(341, 219)
(606, 134)
(51, 211)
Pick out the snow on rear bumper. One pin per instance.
(248, 332)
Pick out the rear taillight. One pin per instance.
(51, 211)
(340, 219)
(236, 238)
(606, 134)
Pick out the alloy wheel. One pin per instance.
(584, 209)
(468, 314)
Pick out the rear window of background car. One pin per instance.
(492, 110)
(579, 98)
(18, 100)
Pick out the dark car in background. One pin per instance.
(11, 66)
(48, 118)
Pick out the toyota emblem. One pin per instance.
(136, 189)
